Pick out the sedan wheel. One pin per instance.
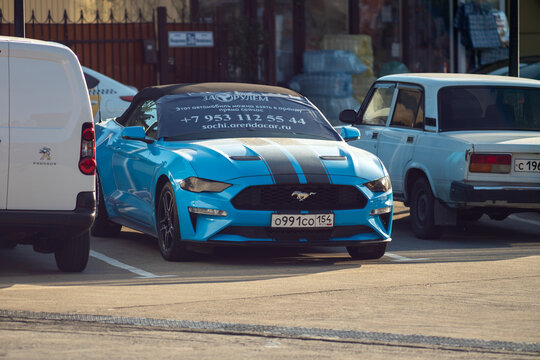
(170, 244)
(422, 211)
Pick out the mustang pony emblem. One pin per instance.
(45, 153)
(301, 196)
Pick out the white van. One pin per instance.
(47, 151)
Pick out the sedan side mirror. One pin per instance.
(348, 116)
(136, 133)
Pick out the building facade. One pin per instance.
(395, 35)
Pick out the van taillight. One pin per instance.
(490, 163)
(87, 160)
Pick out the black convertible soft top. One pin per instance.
(156, 92)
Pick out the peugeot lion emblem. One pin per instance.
(301, 196)
(45, 153)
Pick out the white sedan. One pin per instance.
(456, 146)
(110, 98)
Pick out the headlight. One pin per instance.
(380, 185)
(198, 185)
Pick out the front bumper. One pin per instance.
(489, 195)
(252, 227)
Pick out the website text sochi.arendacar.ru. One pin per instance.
(245, 126)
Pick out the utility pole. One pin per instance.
(19, 18)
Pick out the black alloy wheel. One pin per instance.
(170, 244)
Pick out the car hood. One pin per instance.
(285, 160)
(500, 141)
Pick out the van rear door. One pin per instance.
(4, 121)
(48, 105)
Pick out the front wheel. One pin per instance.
(72, 253)
(367, 252)
(170, 244)
(422, 211)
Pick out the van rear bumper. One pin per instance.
(51, 221)
(45, 221)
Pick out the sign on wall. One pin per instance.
(191, 39)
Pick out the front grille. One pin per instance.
(289, 235)
(323, 197)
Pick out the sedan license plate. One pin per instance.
(526, 165)
(302, 220)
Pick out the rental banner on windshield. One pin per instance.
(193, 115)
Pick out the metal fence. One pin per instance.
(125, 49)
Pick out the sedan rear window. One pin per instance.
(489, 108)
(193, 116)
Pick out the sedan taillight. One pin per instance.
(127, 98)
(87, 159)
(491, 163)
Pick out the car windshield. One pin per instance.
(489, 108)
(194, 116)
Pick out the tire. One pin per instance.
(8, 245)
(102, 226)
(367, 252)
(170, 244)
(422, 211)
(469, 216)
(72, 253)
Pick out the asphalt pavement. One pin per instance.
(474, 293)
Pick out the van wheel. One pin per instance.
(72, 253)
(102, 226)
(422, 211)
(170, 244)
(367, 252)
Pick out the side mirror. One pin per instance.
(348, 116)
(349, 133)
(135, 133)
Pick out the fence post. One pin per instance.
(19, 18)
(163, 43)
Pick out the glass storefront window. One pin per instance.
(325, 17)
(284, 41)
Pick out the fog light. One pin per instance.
(203, 211)
(380, 211)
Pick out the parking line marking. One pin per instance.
(142, 274)
(400, 258)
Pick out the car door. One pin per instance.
(374, 115)
(4, 122)
(396, 143)
(133, 167)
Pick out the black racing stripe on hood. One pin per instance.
(310, 162)
(281, 168)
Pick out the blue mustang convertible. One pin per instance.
(238, 164)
